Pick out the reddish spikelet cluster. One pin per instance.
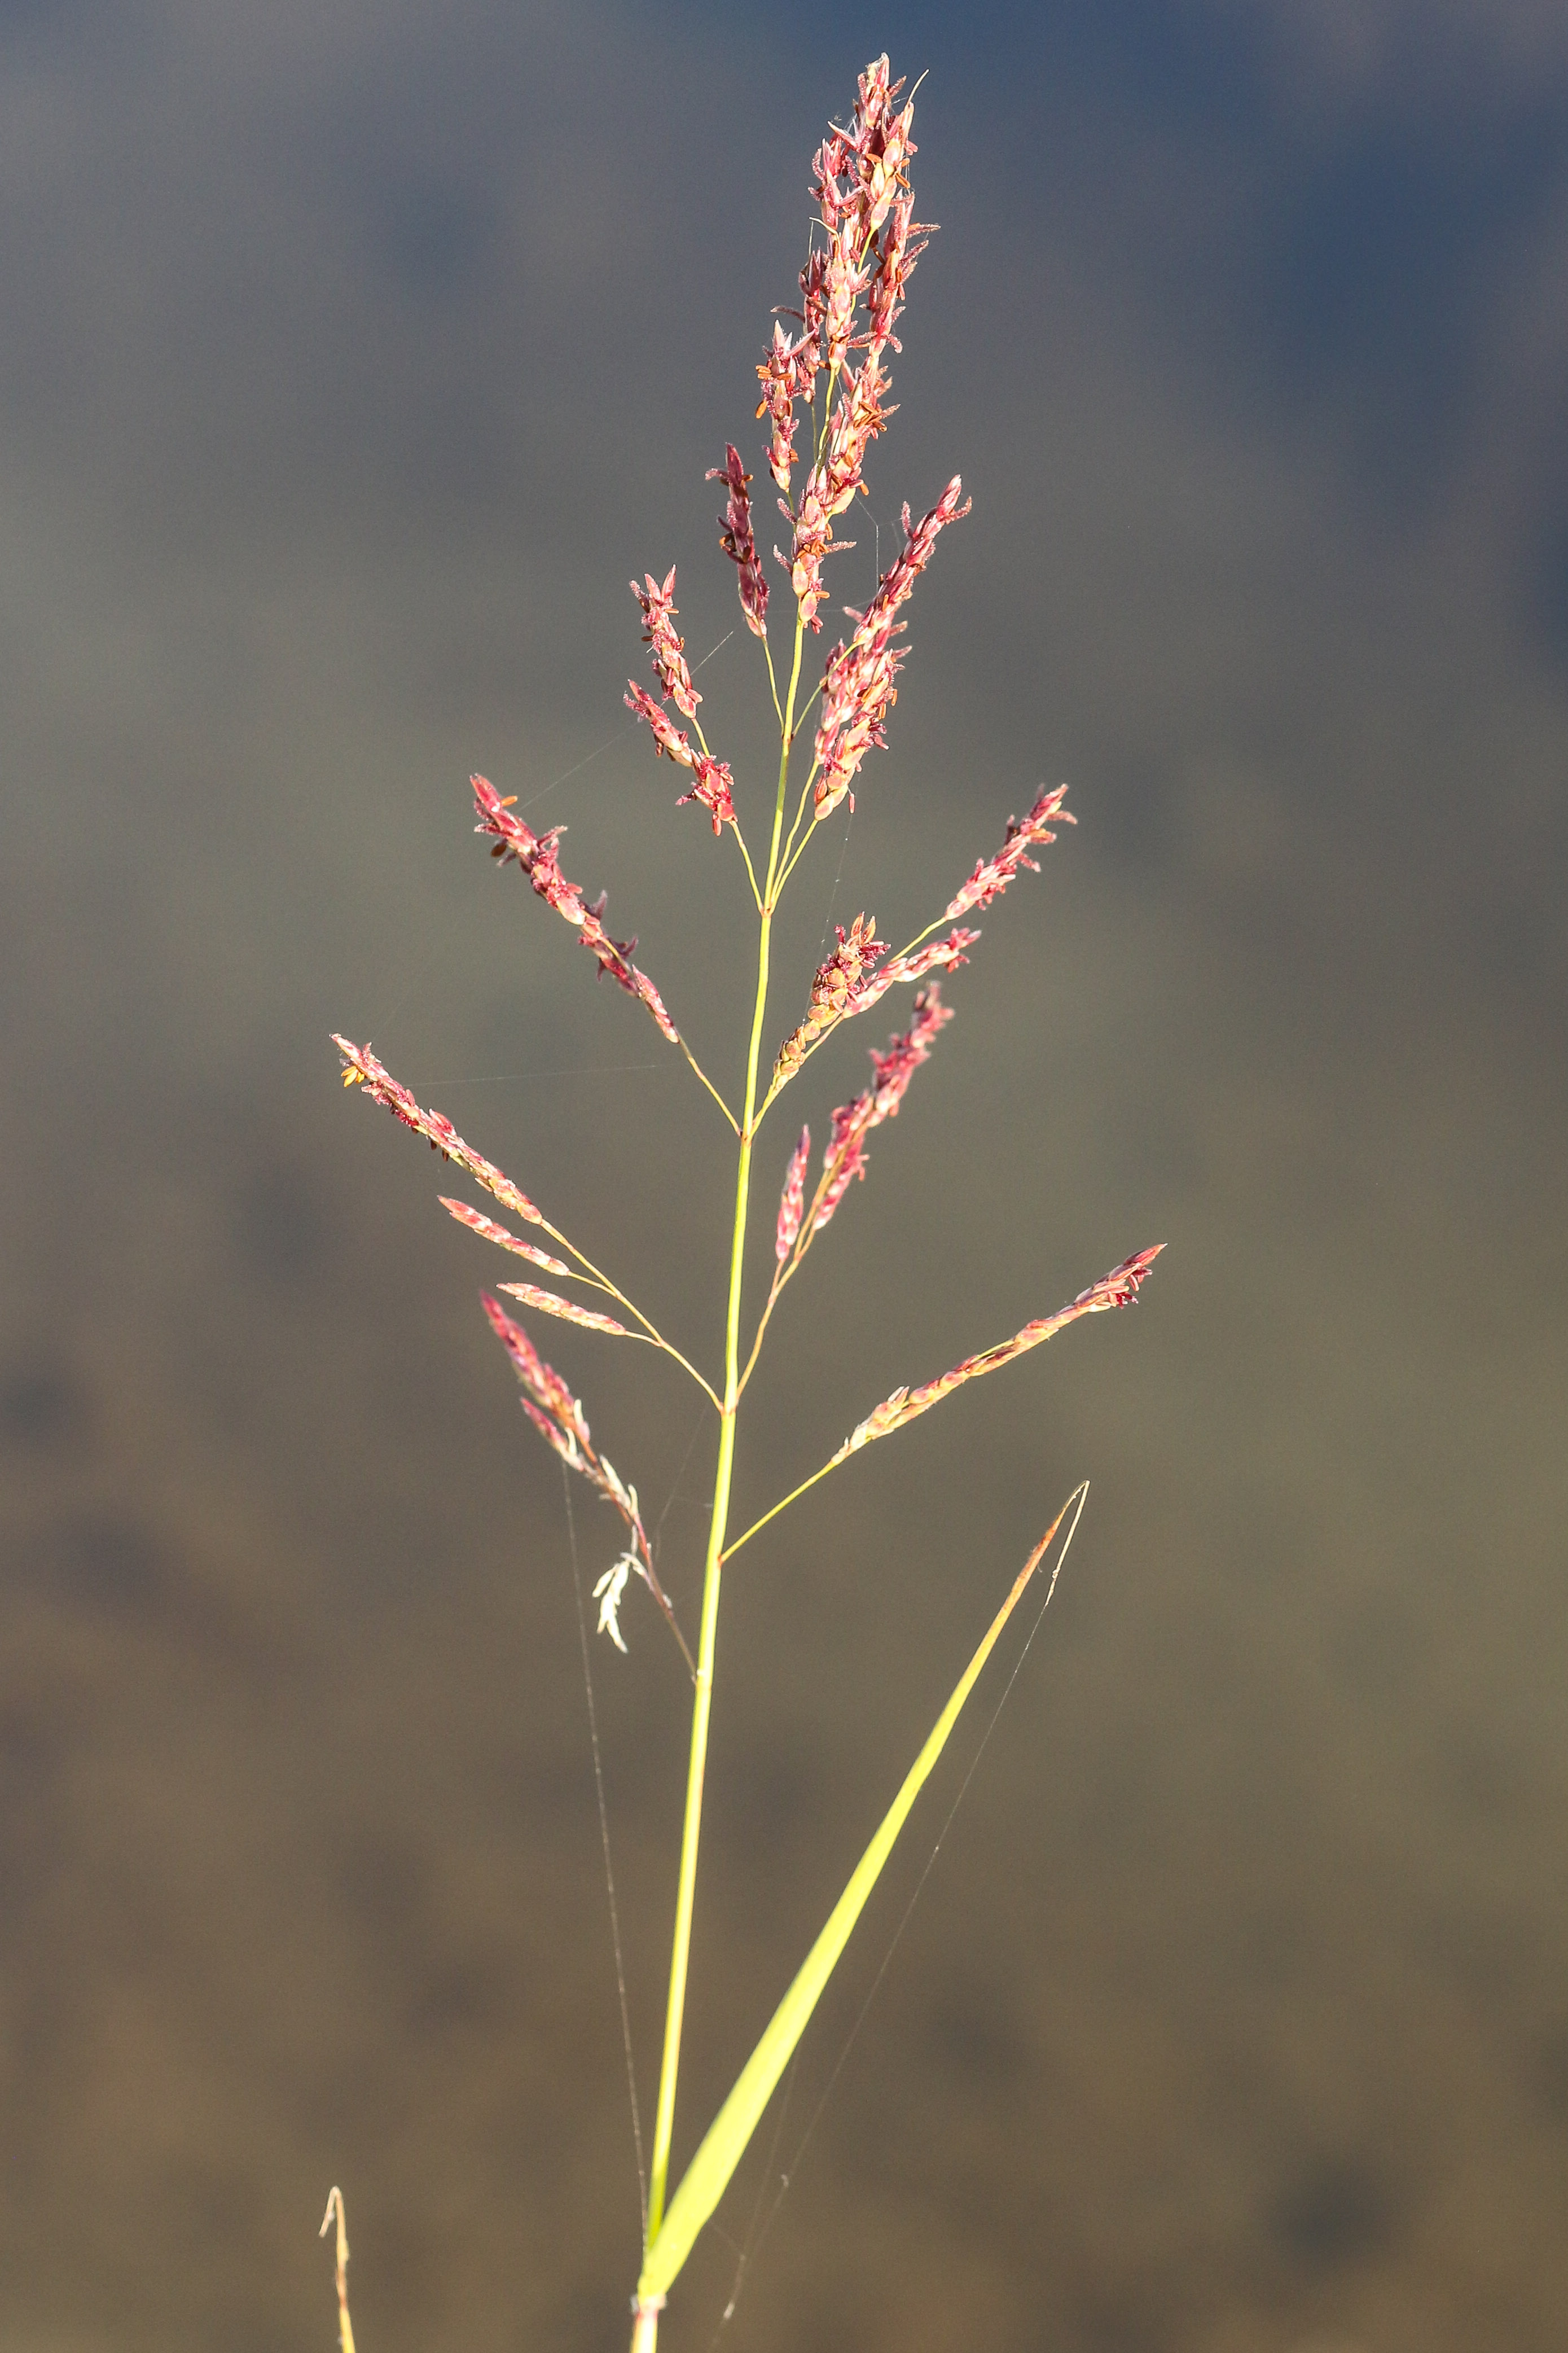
(992, 875)
(848, 984)
(535, 853)
(669, 651)
(736, 539)
(361, 1067)
(1117, 1289)
(873, 241)
(792, 1200)
(715, 785)
(859, 686)
(560, 1421)
(834, 992)
(844, 1157)
(476, 1222)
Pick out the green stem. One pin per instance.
(702, 1699)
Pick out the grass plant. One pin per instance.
(830, 377)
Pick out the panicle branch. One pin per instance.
(361, 1067)
(561, 1421)
(992, 875)
(536, 854)
(1117, 1289)
(715, 785)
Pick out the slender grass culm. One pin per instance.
(831, 377)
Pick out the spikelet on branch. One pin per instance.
(992, 875)
(792, 1200)
(361, 1067)
(549, 1303)
(536, 854)
(845, 1158)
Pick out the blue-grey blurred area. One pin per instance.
(354, 359)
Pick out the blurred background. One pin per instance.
(355, 358)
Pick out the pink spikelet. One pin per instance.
(715, 783)
(845, 1158)
(1117, 1289)
(669, 651)
(535, 853)
(361, 1067)
(476, 1222)
(787, 374)
(792, 1200)
(735, 537)
(992, 875)
(549, 1303)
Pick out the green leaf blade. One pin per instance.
(708, 2176)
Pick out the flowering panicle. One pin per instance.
(535, 853)
(475, 1220)
(792, 1200)
(1117, 1289)
(560, 1421)
(736, 539)
(992, 875)
(859, 683)
(362, 1068)
(669, 651)
(844, 1157)
(715, 783)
